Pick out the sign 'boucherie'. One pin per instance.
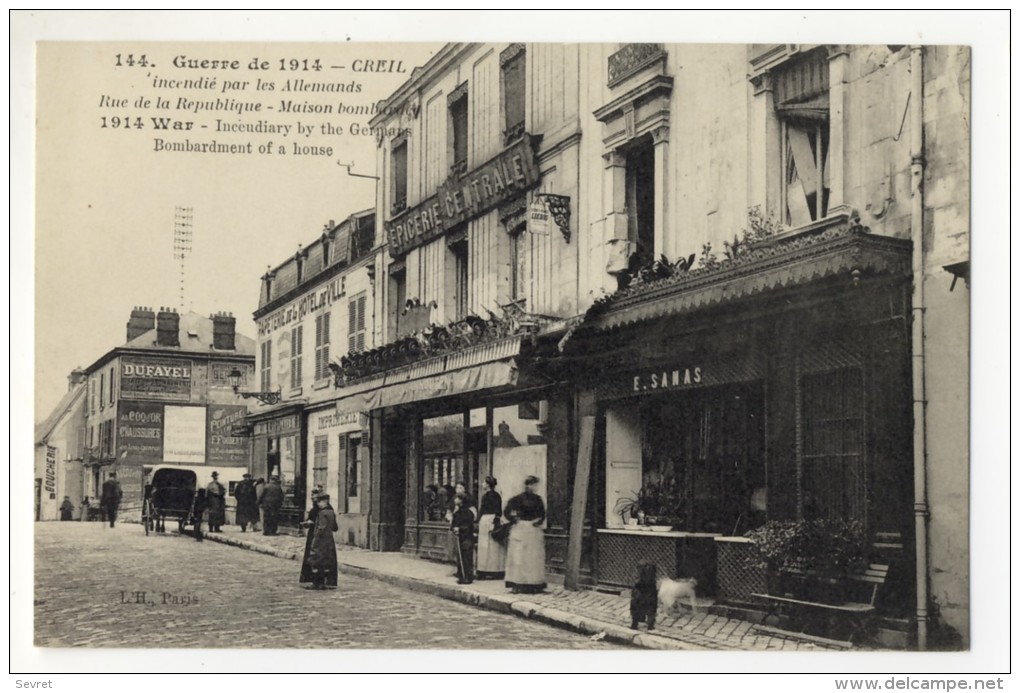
(459, 199)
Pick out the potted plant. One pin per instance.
(627, 507)
(809, 558)
(661, 502)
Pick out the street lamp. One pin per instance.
(264, 397)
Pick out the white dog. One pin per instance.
(672, 591)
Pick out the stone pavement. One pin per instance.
(100, 587)
(598, 614)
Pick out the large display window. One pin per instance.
(693, 462)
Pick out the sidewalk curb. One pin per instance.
(504, 604)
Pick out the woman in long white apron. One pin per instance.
(491, 553)
(525, 556)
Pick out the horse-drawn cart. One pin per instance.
(170, 493)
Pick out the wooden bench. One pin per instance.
(809, 615)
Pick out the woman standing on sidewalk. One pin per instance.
(309, 526)
(525, 556)
(322, 554)
(491, 553)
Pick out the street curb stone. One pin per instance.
(503, 604)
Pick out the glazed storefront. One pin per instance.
(776, 387)
(278, 449)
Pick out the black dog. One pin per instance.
(644, 597)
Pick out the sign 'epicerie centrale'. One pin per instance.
(459, 199)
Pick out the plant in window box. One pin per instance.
(661, 502)
(809, 558)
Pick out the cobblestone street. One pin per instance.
(89, 581)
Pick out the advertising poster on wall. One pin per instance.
(184, 435)
(224, 446)
(151, 378)
(140, 431)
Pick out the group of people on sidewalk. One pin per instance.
(515, 553)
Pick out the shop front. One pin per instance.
(278, 450)
(772, 388)
(339, 446)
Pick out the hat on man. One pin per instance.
(531, 480)
(215, 474)
(246, 475)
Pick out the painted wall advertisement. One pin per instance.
(50, 478)
(140, 430)
(151, 378)
(224, 446)
(184, 434)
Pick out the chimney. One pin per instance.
(223, 331)
(76, 377)
(142, 320)
(168, 325)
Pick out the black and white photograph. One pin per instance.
(360, 332)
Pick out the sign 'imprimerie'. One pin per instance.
(459, 199)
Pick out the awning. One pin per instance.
(471, 379)
(846, 250)
(487, 365)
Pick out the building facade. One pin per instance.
(59, 452)
(166, 397)
(729, 278)
(315, 309)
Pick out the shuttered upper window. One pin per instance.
(512, 66)
(322, 346)
(356, 324)
(802, 104)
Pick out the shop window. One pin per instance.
(519, 446)
(640, 191)
(459, 130)
(802, 105)
(296, 348)
(833, 474)
(356, 324)
(442, 464)
(692, 461)
(322, 346)
(399, 166)
(512, 77)
(320, 461)
(352, 454)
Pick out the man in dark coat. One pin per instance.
(247, 503)
(111, 497)
(463, 527)
(271, 500)
(66, 509)
(216, 503)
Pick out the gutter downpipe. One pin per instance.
(921, 513)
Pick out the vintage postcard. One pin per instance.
(501, 342)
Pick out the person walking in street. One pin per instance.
(271, 500)
(525, 556)
(247, 503)
(216, 504)
(491, 553)
(85, 509)
(462, 525)
(112, 495)
(66, 509)
(198, 508)
(322, 563)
